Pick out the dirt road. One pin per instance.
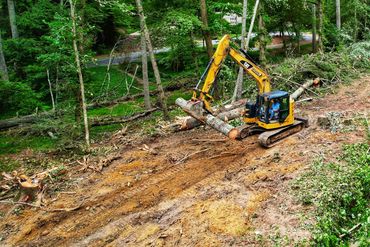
(187, 191)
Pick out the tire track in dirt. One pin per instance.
(123, 200)
(184, 200)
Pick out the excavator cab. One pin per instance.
(275, 107)
(271, 110)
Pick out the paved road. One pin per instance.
(136, 56)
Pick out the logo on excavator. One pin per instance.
(246, 64)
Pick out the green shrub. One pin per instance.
(17, 97)
(340, 193)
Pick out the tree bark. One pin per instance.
(314, 25)
(50, 90)
(320, 45)
(229, 110)
(12, 19)
(262, 37)
(337, 12)
(210, 120)
(206, 33)
(239, 82)
(3, 69)
(79, 72)
(255, 10)
(14, 122)
(295, 95)
(162, 99)
(144, 67)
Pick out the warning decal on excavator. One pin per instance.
(246, 64)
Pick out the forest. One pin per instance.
(102, 142)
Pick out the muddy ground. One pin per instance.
(181, 189)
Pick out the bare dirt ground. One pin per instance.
(186, 191)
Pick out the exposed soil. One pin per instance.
(231, 193)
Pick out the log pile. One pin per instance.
(227, 112)
(208, 119)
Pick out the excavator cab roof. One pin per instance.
(275, 95)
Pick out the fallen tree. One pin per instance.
(302, 88)
(14, 122)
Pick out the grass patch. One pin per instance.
(98, 86)
(14, 144)
(123, 109)
(340, 193)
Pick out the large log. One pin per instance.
(208, 119)
(302, 88)
(227, 111)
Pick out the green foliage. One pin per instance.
(360, 53)
(123, 109)
(331, 67)
(17, 97)
(14, 144)
(340, 193)
(178, 28)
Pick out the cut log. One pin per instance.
(208, 119)
(222, 112)
(302, 88)
(117, 120)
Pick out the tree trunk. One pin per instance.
(295, 95)
(79, 72)
(50, 90)
(206, 33)
(3, 69)
(162, 99)
(144, 67)
(355, 33)
(14, 122)
(255, 10)
(314, 24)
(239, 82)
(320, 25)
(12, 19)
(262, 37)
(337, 12)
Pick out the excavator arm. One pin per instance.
(210, 75)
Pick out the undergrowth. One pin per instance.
(340, 194)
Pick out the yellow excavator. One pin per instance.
(271, 115)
